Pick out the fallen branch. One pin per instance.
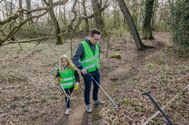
(28, 41)
(13, 76)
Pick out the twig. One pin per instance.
(19, 44)
(15, 77)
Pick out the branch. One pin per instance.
(19, 44)
(75, 15)
(14, 17)
(70, 27)
(15, 29)
(58, 3)
(81, 18)
(92, 15)
(28, 41)
(106, 4)
(20, 11)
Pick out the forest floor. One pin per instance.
(29, 95)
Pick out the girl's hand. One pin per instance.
(58, 80)
(76, 86)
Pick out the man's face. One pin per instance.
(95, 38)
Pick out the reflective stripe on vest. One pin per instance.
(67, 84)
(90, 66)
(90, 61)
(68, 79)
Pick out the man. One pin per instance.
(87, 59)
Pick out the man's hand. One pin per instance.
(84, 71)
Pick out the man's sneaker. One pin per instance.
(67, 112)
(88, 108)
(98, 102)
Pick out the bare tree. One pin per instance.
(78, 18)
(41, 12)
(28, 6)
(97, 10)
(147, 25)
(131, 24)
(85, 14)
(65, 19)
(54, 21)
(70, 26)
(6, 8)
(116, 21)
(21, 14)
(97, 14)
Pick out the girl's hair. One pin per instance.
(70, 64)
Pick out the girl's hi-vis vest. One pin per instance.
(67, 78)
(91, 61)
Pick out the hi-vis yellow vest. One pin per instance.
(91, 62)
(67, 78)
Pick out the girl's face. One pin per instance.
(64, 62)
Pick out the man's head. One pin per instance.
(95, 36)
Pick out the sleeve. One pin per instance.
(77, 78)
(57, 74)
(79, 54)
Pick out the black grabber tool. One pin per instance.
(159, 108)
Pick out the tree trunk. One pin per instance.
(6, 9)
(116, 15)
(65, 19)
(55, 22)
(131, 24)
(147, 25)
(11, 8)
(97, 14)
(28, 6)
(21, 14)
(86, 20)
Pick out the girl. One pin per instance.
(68, 77)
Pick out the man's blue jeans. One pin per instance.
(88, 81)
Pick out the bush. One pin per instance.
(179, 23)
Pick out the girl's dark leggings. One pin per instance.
(68, 92)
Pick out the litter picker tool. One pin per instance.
(115, 106)
(159, 108)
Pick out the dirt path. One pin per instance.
(76, 115)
